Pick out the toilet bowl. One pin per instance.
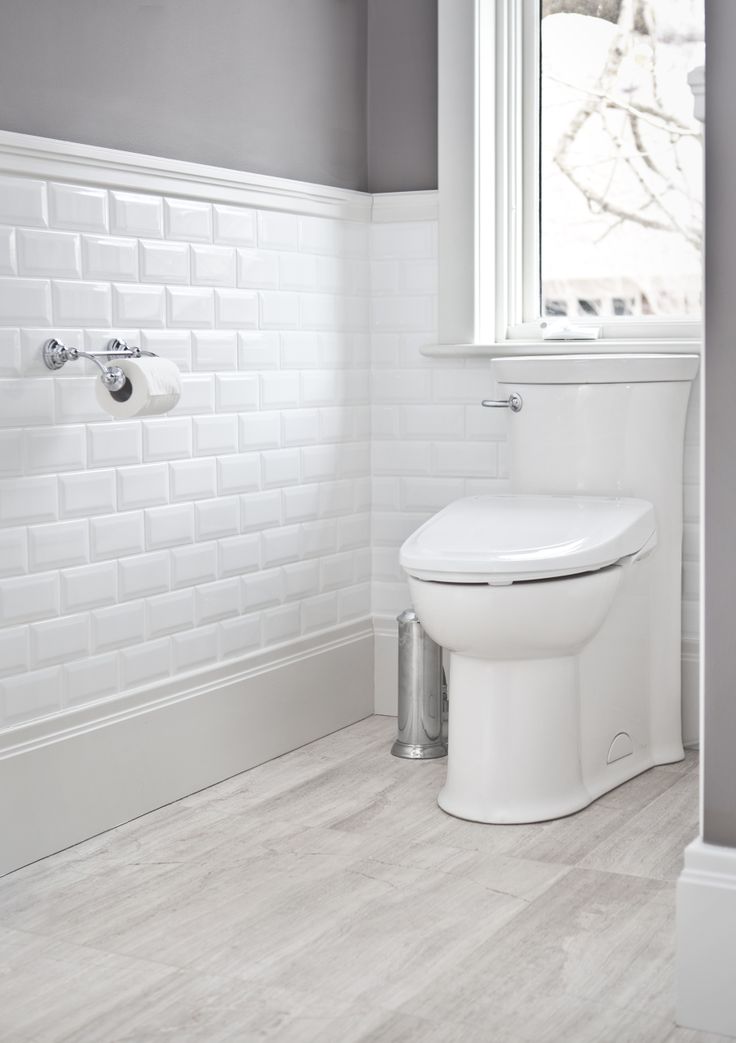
(558, 603)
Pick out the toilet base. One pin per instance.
(515, 749)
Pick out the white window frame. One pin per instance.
(488, 163)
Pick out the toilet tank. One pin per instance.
(610, 425)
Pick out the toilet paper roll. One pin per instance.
(153, 386)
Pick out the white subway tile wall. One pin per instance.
(311, 438)
(134, 550)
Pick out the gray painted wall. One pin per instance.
(269, 86)
(402, 95)
(719, 740)
(276, 87)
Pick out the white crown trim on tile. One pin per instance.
(175, 738)
(31, 156)
(405, 206)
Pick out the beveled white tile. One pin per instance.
(27, 402)
(258, 350)
(31, 695)
(235, 226)
(114, 444)
(215, 435)
(22, 201)
(104, 257)
(78, 208)
(118, 626)
(216, 601)
(239, 636)
(301, 579)
(138, 305)
(280, 467)
(260, 430)
(215, 350)
(301, 503)
(261, 589)
(148, 662)
(169, 526)
(76, 401)
(143, 575)
(258, 269)
(236, 308)
(25, 598)
(82, 303)
(277, 231)
(167, 438)
(59, 640)
(164, 262)
(280, 545)
(260, 510)
(91, 586)
(53, 449)
(116, 535)
(10, 353)
(279, 390)
(146, 485)
(237, 393)
(138, 215)
(58, 546)
(187, 219)
(190, 306)
(238, 473)
(91, 678)
(193, 479)
(85, 494)
(193, 564)
(279, 310)
(213, 266)
(45, 253)
(28, 501)
(239, 554)
(281, 624)
(13, 552)
(14, 654)
(214, 519)
(195, 649)
(319, 613)
(25, 302)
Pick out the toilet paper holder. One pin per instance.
(56, 354)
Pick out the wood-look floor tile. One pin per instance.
(651, 842)
(325, 898)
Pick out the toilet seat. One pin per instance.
(513, 538)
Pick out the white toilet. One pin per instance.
(558, 605)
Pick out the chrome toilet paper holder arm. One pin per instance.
(56, 355)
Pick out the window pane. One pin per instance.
(621, 158)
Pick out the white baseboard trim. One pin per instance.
(706, 939)
(70, 776)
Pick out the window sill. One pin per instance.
(681, 346)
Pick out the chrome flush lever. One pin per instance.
(514, 402)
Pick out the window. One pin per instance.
(620, 156)
(570, 168)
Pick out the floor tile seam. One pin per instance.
(666, 883)
(63, 939)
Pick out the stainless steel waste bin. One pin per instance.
(420, 692)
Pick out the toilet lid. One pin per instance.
(513, 538)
